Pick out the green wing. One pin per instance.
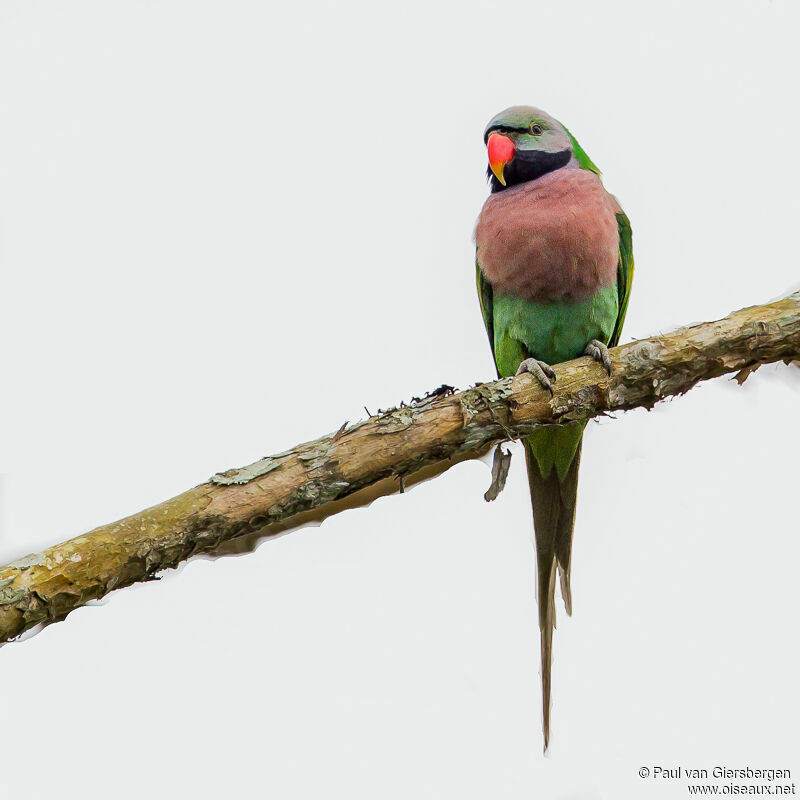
(486, 299)
(624, 273)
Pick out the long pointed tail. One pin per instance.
(553, 499)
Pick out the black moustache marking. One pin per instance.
(528, 165)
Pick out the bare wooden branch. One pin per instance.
(371, 458)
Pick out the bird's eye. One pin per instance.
(536, 129)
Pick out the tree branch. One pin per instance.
(371, 458)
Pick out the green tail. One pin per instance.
(553, 455)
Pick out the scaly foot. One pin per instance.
(599, 352)
(542, 371)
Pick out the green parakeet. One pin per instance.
(554, 268)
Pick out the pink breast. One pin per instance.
(555, 238)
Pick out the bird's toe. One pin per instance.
(599, 352)
(541, 370)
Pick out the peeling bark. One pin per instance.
(363, 461)
(501, 463)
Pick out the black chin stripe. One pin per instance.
(528, 165)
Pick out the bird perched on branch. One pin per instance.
(554, 267)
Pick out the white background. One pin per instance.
(226, 227)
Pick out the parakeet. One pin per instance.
(554, 268)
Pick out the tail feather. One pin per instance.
(566, 524)
(553, 521)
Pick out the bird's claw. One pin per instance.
(599, 352)
(541, 370)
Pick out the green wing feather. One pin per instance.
(624, 273)
(486, 299)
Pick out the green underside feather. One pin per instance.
(553, 332)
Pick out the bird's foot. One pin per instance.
(542, 371)
(599, 352)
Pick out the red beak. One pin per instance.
(501, 151)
